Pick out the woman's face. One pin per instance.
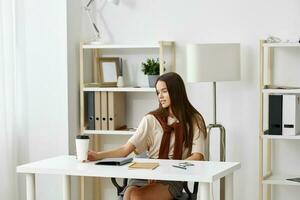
(163, 94)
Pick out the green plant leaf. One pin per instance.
(151, 66)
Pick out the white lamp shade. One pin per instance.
(213, 62)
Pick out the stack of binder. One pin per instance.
(104, 110)
(284, 114)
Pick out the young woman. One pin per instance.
(176, 130)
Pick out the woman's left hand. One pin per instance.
(92, 155)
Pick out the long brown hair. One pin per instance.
(181, 107)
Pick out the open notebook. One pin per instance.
(114, 161)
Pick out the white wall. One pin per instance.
(241, 21)
(51, 77)
(46, 86)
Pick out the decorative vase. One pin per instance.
(120, 82)
(152, 80)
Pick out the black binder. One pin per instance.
(90, 110)
(114, 161)
(275, 115)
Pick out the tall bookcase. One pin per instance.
(89, 55)
(266, 176)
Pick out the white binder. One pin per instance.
(291, 115)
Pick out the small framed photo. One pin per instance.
(108, 71)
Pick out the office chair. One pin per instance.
(186, 195)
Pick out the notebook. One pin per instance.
(114, 161)
(143, 165)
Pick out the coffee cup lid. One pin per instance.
(82, 137)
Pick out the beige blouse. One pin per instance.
(149, 134)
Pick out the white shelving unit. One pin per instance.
(287, 44)
(281, 91)
(89, 54)
(266, 64)
(116, 89)
(120, 46)
(279, 179)
(108, 132)
(96, 52)
(281, 137)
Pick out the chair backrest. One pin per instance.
(187, 194)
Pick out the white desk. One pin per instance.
(203, 172)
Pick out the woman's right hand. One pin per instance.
(93, 155)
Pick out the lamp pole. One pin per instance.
(222, 138)
(215, 102)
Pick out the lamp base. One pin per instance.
(222, 151)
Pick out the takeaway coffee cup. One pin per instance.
(82, 147)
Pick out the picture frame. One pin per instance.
(108, 71)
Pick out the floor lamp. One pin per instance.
(212, 63)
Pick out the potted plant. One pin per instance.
(151, 68)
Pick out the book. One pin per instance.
(294, 179)
(143, 165)
(114, 161)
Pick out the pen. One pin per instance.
(181, 167)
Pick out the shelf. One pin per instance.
(266, 152)
(120, 46)
(281, 137)
(120, 89)
(281, 91)
(107, 132)
(280, 180)
(291, 44)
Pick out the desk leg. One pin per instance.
(66, 187)
(229, 187)
(204, 190)
(30, 187)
